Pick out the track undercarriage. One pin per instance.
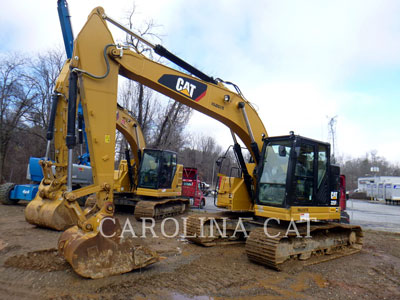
(318, 243)
(149, 208)
(277, 245)
(162, 208)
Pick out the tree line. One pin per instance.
(26, 86)
(354, 168)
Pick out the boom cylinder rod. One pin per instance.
(137, 136)
(254, 146)
(128, 31)
(69, 176)
(234, 137)
(46, 156)
(139, 150)
(80, 132)
(246, 120)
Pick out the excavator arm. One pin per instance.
(55, 207)
(46, 210)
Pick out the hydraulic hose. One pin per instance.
(71, 137)
(72, 96)
(50, 128)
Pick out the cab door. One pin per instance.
(303, 190)
(310, 177)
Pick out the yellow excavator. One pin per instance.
(289, 178)
(154, 189)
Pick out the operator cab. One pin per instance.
(296, 171)
(157, 169)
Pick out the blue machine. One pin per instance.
(35, 170)
(11, 193)
(23, 192)
(28, 191)
(66, 28)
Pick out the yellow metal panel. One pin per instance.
(160, 193)
(148, 72)
(233, 194)
(297, 213)
(126, 125)
(99, 98)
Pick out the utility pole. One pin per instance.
(332, 135)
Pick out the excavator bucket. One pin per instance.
(50, 213)
(95, 255)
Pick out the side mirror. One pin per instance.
(282, 151)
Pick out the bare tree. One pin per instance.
(44, 71)
(170, 125)
(202, 152)
(17, 97)
(354, 168)
(162, 122)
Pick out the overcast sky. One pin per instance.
(299, 62)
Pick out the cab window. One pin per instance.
(148, 175)
(272, 186)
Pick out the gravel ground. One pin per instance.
(30, 268)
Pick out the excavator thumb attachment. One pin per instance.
(49, 213)
(94, 255)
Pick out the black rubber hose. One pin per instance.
(256, 151)
(72, 96)
(130, 169)
(50, 129)
(246, 176)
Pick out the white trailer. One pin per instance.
(392, 193)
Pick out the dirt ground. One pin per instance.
(30, 268)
